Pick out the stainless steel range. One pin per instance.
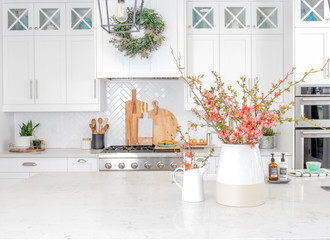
(138, 158)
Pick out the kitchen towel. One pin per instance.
(302, 173)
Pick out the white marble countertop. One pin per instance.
(54, 153)
(147, 205)
(76, 152)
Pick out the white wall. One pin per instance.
(6, 119)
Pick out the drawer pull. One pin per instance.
(29, 164)
(82, 161)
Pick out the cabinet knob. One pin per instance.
(254, 26)
(327, 19)
(35, 28)
(30, 28)
(189, 26)
(248, 26)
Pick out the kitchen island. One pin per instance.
(148, 205)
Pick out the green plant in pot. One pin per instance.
(268, 139)
(26, 133)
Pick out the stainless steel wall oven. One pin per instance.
(312, 143)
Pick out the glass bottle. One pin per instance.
(283, 169)
(272, 169)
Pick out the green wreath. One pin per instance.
(153, 28)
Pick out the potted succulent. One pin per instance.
(26, 133)
(268, 139)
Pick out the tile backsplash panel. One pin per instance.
(66, 129)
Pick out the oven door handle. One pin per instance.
(320, 99)
(316, 132)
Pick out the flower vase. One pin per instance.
(192, 187)
(240, 176)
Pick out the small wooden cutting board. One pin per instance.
(134, 110)
(164, 124)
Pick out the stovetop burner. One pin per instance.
(128, 148)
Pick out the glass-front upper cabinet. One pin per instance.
(267, 17)
(312, 13)
(202, 17)
(17, 19)
(80, 19)
(235, 17)
(49, 19)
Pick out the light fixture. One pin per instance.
(107, 12)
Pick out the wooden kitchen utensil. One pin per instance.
(164, 124)
(145, 130)
(133, 111)
(100, 121)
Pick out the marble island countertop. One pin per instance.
(147, 205)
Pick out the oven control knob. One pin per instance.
(173, 165)
(121, 165)
(134, 165)
(160, 165)
(108, 165)
(147, 165)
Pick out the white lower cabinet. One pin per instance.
(9, 179)
(82, 164)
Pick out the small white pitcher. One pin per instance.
(192, 189)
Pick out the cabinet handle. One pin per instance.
(29, 164)
(328, 69)
(31, 89)
(94, 88)
(37, 95)
(82, 161)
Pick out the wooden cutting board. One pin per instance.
(134, 110)
(164, 124)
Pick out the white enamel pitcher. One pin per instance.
(192, 188)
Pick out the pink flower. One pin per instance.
(187, 166)
(277, 94)
(188, 154)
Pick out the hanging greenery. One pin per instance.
(153, 26)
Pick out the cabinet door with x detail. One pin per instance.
(49, 19)
(267, 17)
(312, 13)
(203, 18)
(235, 18)
(17, 19)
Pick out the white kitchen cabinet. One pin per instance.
(50, 70)
(27, 165)
(82, 164)
(312, 13)
(311, 51)
(82, 86)
(203, 58)
(49, 62)
(246, 17)
(111, 63)
(18, 70)
(267, 61)
(80, 18)
(17, 19)
(235, 60)
(202, 17)
(49, 19)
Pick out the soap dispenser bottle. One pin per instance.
(272, 169)
(283, 169)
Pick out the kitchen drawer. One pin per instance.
(26, 165)
(82, 164)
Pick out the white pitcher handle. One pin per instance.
(177, 169)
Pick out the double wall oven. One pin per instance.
(312, 143)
